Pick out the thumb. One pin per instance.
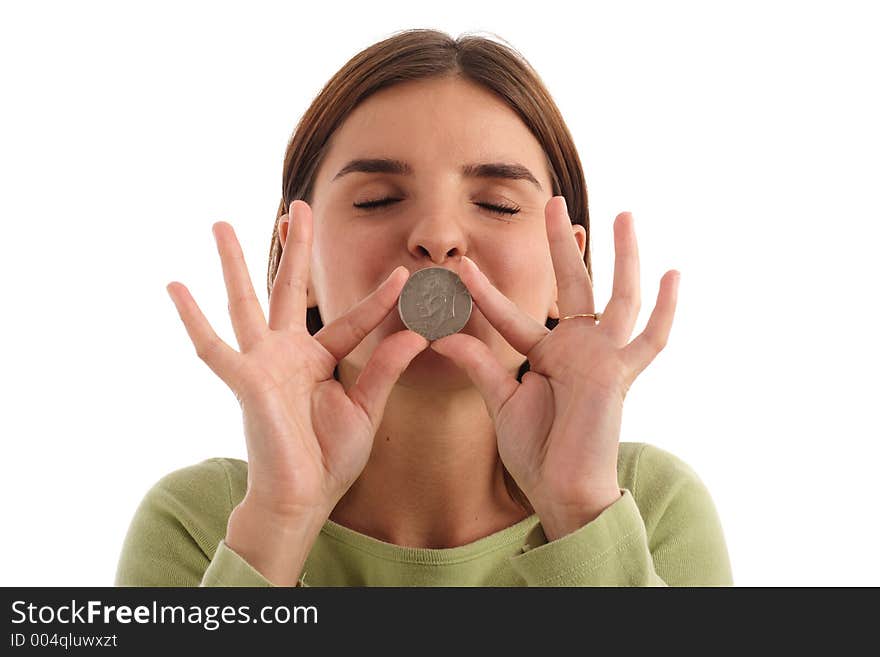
(390, 358)
(490, 377)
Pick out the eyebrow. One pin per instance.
(509, 171)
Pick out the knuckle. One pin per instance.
(657, 342)
(238, 301)
(295, 282)
(355, 329)
(207, 350)
(631, 299)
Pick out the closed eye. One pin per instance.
(499, 209)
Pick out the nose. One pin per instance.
(439, 235)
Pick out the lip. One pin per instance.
(454, 270)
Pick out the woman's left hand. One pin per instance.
(558, 431)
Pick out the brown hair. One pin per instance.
(419, 54)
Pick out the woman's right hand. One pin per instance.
(307, 438)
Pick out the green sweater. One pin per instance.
(663, 531)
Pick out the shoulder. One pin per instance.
(207, 479)
(664, 486)
(179, 523)
(644, 468)
(683, 527)
(202, 492)
(192, 504)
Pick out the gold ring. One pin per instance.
(595, 316)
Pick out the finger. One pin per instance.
(574, 287)
(219, 356)
(288, 302)
(639, 353)
(622, 310)
(346, 332)
(247, 316)
(471, 354)
(389, 360)
(521, 330)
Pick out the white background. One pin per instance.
(743, 136)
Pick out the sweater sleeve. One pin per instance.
(671, 537)
(176, 535)
(228, 568)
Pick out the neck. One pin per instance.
(434, 478)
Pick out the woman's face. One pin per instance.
(435, 127)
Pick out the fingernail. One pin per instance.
(564, 204)
(472, 263)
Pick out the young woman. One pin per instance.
(489, 457)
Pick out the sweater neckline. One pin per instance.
(401, 553)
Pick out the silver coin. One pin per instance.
(434, 302)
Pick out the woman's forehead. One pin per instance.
(449, 125)
(455, 122)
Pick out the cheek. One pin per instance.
(526, 278)
(347, 268)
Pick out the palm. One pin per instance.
(309, 430)
(308, 438)
(558, 429)
(533, 442)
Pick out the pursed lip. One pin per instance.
(455, 270)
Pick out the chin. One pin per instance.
(432, 370)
